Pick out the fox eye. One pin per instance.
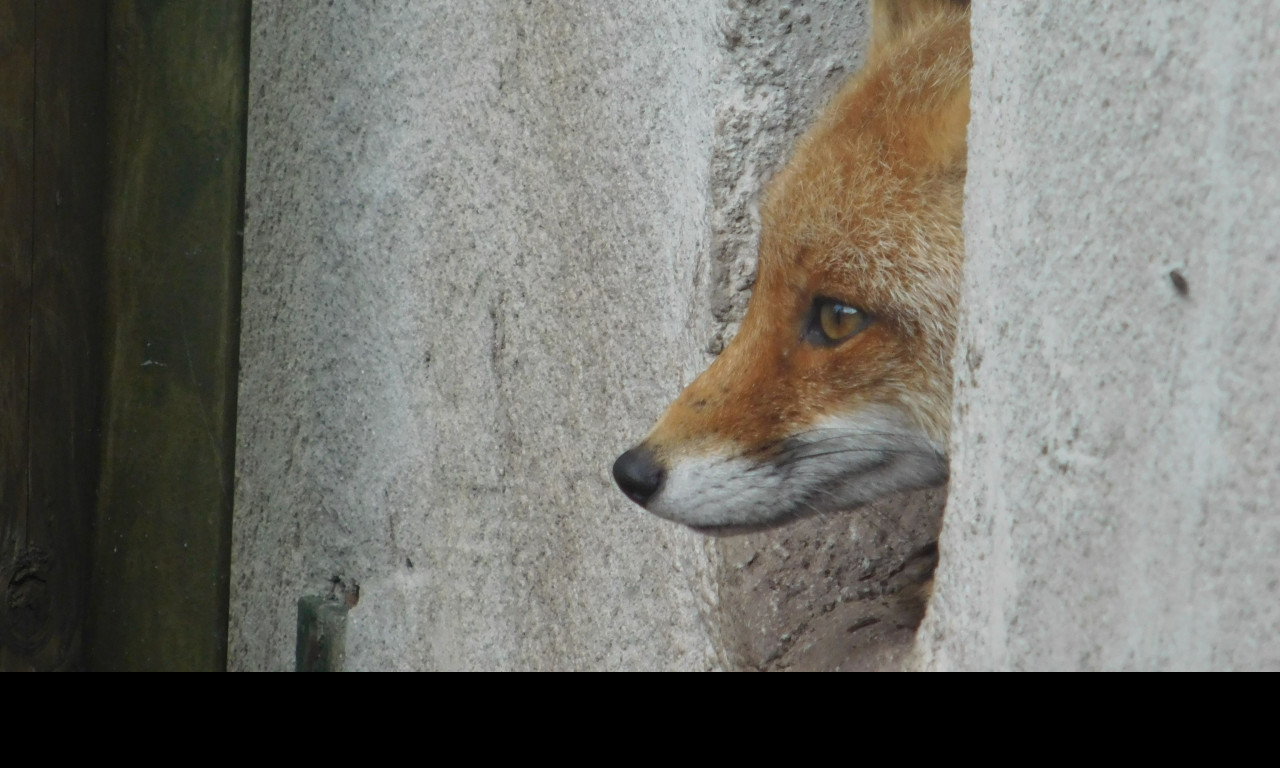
(832, 322)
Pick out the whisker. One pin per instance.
(788, 460)
(836, 433)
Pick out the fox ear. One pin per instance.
(890, 19)
(936, 74)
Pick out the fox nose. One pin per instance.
(638, 474)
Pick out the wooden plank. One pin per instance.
(23, 599)
(17, 96)
(178, 79)
(66, 313)
(17, 111)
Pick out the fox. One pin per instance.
(836, 390)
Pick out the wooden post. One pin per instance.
(178, 79)
(52, 321)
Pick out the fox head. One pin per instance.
(837, 388)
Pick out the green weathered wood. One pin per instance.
(47, 578)
(322, 635)
(178, 77)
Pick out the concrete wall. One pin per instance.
(486, 243)
(1115, 462)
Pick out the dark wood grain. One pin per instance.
(51, 274)
(119, 309)
(17, 114)
(66, 309)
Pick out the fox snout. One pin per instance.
(839, 463)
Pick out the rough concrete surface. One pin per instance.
(1115, 459)
(486, 243)
(467, 271)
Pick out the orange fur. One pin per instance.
(868, 212)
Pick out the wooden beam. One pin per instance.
(47, 573)
(17, 115)
(178, 80)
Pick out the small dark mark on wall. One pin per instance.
(863, 624)
(346, 591)
(1179, 283)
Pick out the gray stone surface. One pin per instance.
(469, 277)
(1115, 459)
(486, 243)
